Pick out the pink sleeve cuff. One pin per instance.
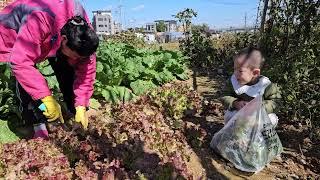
(37, 96)
(85, 104)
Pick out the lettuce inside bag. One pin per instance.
(249, 139)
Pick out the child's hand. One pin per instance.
(239, 104)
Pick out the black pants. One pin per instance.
(65, 76)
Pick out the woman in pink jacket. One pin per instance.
(58, 30)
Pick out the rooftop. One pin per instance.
(170, 21)
(102, 12)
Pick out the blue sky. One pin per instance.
(215, 13)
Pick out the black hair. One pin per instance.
(248, 52)
(81, 37)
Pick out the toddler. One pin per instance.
(246, 83)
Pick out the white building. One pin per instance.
(172, 36)
(150, 38)
(171, 25)
(117, 27)
(103, 23)
(150, 28)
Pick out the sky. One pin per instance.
(216, 13)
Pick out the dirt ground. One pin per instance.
(300, 159)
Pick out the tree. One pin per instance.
(139, 29)
(161, 26)
(185, 17)
(290, 41)
(201, 28)
(264, 14)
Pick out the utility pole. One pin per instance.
(120, 13)
(245, 21)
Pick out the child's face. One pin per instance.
(243, 72)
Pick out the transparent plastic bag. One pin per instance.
(249, 139)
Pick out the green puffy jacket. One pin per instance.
(271, 97)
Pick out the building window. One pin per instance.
(100, 19)
(106, 26)
(100, 25)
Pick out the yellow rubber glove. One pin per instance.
(81, 116)
(53, 109)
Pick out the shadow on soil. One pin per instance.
(299, 147)
(203, 129)
(204, 126)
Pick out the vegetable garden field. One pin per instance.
(155, 109)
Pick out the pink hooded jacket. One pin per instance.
(30, 32)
